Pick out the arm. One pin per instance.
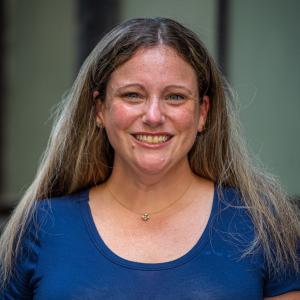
(24, 264)
(287, 296)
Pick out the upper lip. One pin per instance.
(153, 133)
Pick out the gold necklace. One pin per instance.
(146, 216)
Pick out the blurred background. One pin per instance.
(43, 43)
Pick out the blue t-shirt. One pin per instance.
(67, 259)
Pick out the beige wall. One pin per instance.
(40, 41)
(265, 72)
(199, 15)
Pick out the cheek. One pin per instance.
(186, 120)
(119, 116)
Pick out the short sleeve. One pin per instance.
(19, 285)
(282, 284)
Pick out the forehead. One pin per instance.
(159, 64)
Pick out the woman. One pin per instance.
(148, 191)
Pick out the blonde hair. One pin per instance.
(79, 155)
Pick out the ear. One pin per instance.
(203, 111)
(99, 109)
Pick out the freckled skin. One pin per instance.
(154, 74)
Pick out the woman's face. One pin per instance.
(152, 111)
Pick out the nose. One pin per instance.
(153, 115)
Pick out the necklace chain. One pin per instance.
(146, 216)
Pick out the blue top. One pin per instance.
(67, 259)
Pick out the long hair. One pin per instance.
(79, 155)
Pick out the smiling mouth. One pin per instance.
(152, 139)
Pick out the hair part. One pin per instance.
(79, 154)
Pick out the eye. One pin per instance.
(132, 96)
(175, 98)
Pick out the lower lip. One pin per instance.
(152, 146)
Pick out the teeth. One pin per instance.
(150, 139)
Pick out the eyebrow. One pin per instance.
(138, 85)
(179, 87)
(130, 85)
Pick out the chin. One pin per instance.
(152, 168)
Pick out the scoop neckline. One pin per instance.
(115, 258)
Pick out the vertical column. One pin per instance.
(95, 18)
(223, 34)
(2, 92)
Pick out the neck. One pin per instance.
(150, 192)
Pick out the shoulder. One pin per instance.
(60, 204)
(65, 200)
(45, 224)
(51, 212)
(229, 202)
(53, 217)
(50, 218)
(229, 196)
(236, 228)
(231, 221)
